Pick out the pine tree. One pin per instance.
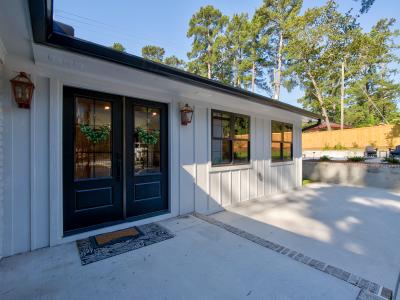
(205, 27)
(175, 62)
(278, 18)
(153, 53)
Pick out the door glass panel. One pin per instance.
(147, 140)
(92, 138)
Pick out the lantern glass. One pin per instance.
(186, 114)
(23, 89)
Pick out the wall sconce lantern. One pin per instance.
(22, 88)
(186, 114)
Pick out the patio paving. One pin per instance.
(202, 261)
(352, 228)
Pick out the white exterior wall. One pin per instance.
(208, 189)
(31, 147)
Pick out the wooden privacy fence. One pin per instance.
(383, 137)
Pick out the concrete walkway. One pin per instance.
(203, 261)
(353, 228)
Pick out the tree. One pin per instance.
(366, 5)
(279, 19)
(345, 39)
(204, 27)
(237, 39)
(175, 62)
(258, 53)
(311, 62)
(118, 47)
(153, 53)
(374, 93)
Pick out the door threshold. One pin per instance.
(73, 232)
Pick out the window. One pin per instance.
(281, 141)
(230, 138)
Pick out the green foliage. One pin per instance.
(148, 137)
(324, 158)
(326, 147)
(339, 147)
(153, 53)
(205, 27)
(320, 50)
(118, 47)
(175, 62)
(356, 159)
(95, 135)
(307, 181)
(366, 5)
(392, 160)
(278, 20)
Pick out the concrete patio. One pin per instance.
(353, 228)
(203, 261)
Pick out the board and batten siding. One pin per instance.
(206, 189)
(31, 163)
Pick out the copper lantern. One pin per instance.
(186, 114)
(22, 88)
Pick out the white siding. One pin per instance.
(31, 160)
(217, 187)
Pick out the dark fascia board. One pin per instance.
(42, 28)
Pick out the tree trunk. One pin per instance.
(209, 56)
(278, 70)
(342, 99)
(321, 101)
(253, 76)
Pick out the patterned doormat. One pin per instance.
(103, 246)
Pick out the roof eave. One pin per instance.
(41, 20)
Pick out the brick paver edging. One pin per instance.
(362, 283)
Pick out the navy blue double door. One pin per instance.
(115, 159)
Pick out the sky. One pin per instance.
(165, 23)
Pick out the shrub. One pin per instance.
(339, 147)
(306, 181)
(392, 160)
(356, 159)
(324, 158)
(326, 147)
(355, 145)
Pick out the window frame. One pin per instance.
(282, 142)
(231, 139)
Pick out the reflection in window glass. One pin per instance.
(221, 151)
(282, 141)
(92, 138)
(147, 140)
(287, 151)
(230, 138)
(241, 151)
(242, 128)
(276, 151)
(221, 125)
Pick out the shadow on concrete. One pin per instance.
(354, 228)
